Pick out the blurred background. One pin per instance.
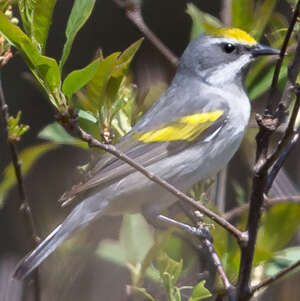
(76, 273)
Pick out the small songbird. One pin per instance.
(189, 133)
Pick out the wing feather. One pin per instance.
(146, 151)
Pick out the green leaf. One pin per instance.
(26, 8)
(144, 292)
(44, 68)
(87, 116)
(202, 22)
(136, 238)
(41, 21)
(54, 132)
(283, 220)
(111, 250)
(96, 87)
(4, 4)
(79, 78)
(262, 17)
(27, 157)
(261, 256)
(200, 292)
(80, 12)
(169, 269)
(15, 128)
(125, 58)
(135, 241)
(282, 260)
(242, 14)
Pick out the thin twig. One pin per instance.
(134, 14)
(269, 202)
(272, 100)
(217, 262)
(197, 220)
(275, 277)
(220, 189)
(283, 149)
(241, 238)
(229, 215)
(226, 15)
(24, 205)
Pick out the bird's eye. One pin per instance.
(228, 47)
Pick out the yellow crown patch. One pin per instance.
(234, 33)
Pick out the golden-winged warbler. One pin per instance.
(189, 133)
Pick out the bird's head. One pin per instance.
(220, 56)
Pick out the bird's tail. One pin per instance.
(77, 219)
(40, 253)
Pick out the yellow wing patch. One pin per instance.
(187, 128)
(234, 33)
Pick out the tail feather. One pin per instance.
(79, 217)
(41, 252)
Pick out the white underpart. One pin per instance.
(226, 72)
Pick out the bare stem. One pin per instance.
(276, 277)
(268, 123)
(208, 243)
(226, 16)
(217, 262)
(281, 152)
(229, 215)
(134, 14)
(24, 204)
(272, 100)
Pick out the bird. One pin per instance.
(190, 133)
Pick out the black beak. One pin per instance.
(259, 50)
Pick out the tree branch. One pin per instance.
(274, 278)
(268, 123)
(134, 14)
(24, 204)
(272, 99)
(197, 220)
(226, 16)
(229, 215)
(217, 262)
(284, 147)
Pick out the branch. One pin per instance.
(24, 205)
(285, 145)
(274, 278)
(217, 262)
(226, 14)
(272, 100)
(208, 243)
(229, 215)
(268, 123)
(71, 124)
(134, 14)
